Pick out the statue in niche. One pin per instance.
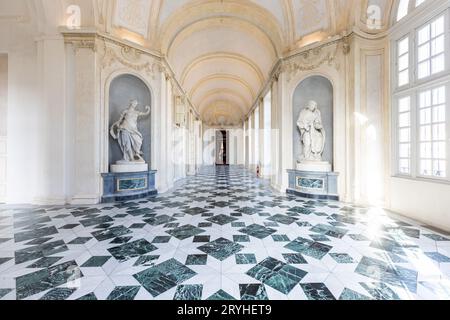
(126, 132)
(312, 132)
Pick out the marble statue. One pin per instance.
(126, 132)
(312, 132)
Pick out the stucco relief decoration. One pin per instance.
(130, 58)
(133, 15)
(313, 59)
(81, 42)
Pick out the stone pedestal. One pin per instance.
(313, 184)
(126, 166)
(314, 166)
(125, 186)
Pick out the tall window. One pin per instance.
(432, 132)
(404, 134)
(431, 48)
(421, 89)
(403, 62)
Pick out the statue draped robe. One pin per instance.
(128, 136)
(312, 134)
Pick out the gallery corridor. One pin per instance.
(222, 234)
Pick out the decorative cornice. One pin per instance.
(81, 41)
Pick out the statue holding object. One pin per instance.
(126, 132)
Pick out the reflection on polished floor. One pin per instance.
(222, 234)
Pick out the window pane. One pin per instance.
(402, 9)
(424, 34)
(404, 135)
(424, 69)
(425, 150)
(437, 45)
(439, 113)
(438, 64)
(403, 46)
(403, 78)
(403, 62)
(439, 168)
(405, 150)
(425, 116)
(439, 132)
(404, 166)
(439, 95)
(437, 27)
(404, 120)
(439, 150)
(425, 133)
(425, 99)
(403, 104)
(424, 52)
(425, 167)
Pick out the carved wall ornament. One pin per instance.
(110, 57)
(130, 54)
(81, 43)
(313, 59)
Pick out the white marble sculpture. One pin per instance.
(130, 140)
(313, 138)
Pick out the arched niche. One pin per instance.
(122, 90)
(319, 89)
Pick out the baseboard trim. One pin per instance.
(85, 200)
(312, 196)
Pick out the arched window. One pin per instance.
(403, 9)
(407, 6)
(421, 90)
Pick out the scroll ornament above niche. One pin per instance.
(316, 57)
(130, 58)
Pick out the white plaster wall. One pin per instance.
(3, 123)
(423, 201)
(23, 112)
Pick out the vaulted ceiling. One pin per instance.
(222, 51)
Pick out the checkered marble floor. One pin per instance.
(222, 234)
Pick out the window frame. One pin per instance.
(415, 65)
(413, 90)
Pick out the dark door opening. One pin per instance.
(222, 158)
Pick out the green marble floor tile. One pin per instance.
(124, 293)
(245, 258)
(189, 292)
